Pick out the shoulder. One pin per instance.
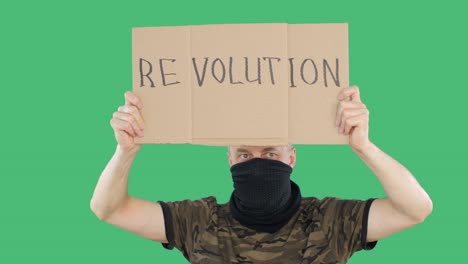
(317, 205)
(192, 205)
(332, 208)
(183, 219)
(336, 205)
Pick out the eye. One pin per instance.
(243, 154)
(271, 156)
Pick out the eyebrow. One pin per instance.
(265, 149)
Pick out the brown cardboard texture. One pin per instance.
(240, 84)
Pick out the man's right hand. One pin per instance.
(128, 123)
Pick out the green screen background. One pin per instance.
(66, 65)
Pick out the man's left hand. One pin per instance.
(352, 118)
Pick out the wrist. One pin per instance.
(366, 149)
(127, 152)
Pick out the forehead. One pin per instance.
(243, 148)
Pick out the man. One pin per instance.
(266, 219)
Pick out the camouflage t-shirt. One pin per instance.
(327, 230)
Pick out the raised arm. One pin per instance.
(406, 204)
(111, 202)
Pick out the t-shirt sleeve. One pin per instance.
(345, 224)
(183, 220)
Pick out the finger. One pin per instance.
(352, 92)
(342, 105)
(130, 119)
(121, 125)
(354, 121)
(347, 114)
(133, 99)
(133, 110)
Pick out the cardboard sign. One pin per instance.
(241, 84)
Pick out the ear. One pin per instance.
(292, 158)
(229, 158)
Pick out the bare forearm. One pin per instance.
(399, 184)
(112, 187)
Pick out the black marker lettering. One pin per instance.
(202, 78)
(271, 67)
(147, 74)
(213, 70)
(291, 72)
(164, 74)
(230, 73)
(315, 71)
(337, 78)
(259, 74)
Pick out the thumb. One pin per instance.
(132, 99)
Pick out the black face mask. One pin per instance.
(264, 197)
